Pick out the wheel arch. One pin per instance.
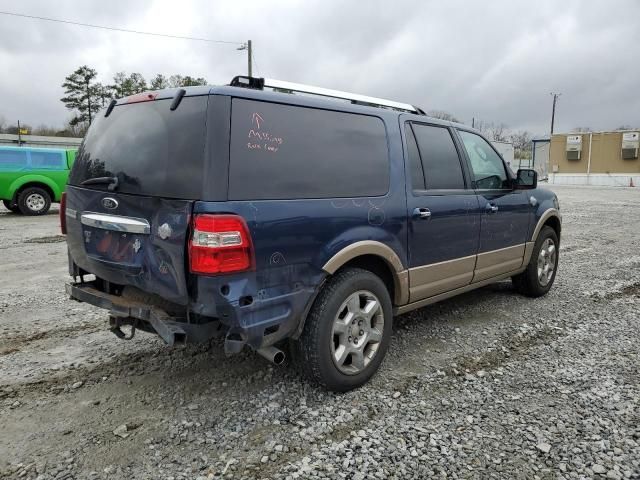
(379, 259)
(34, 181)
(550, 217)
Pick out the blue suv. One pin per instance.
(289, 218)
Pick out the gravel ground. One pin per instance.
(487, 385)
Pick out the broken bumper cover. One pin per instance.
(172, 331)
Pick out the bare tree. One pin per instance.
(442, 115)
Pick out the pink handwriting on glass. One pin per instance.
(260, 139)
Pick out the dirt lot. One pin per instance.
(489, 384)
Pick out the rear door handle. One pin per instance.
(492, 208)
(422, 212)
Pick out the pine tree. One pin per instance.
(82, 95)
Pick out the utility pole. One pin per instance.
(248, 47)
(553, 110)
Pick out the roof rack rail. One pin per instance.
(261, 83)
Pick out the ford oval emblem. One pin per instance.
(110, 203)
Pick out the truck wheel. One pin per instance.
(347, 331)
(34, 201)
(10, 206)
(537, 279)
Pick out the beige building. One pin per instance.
(595, 158)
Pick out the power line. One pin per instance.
(69, 22)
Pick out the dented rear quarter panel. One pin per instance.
(293, 240)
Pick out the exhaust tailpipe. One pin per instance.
(273, 354)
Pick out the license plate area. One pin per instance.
(114, 247)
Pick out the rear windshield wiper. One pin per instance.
(112, 182)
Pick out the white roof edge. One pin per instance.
(326, 92)
(600, 132)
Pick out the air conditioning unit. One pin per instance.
(574, 147)
(629, 153)
(630, 145)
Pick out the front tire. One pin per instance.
(541, 271)
(34, 201)
(10, 206)
(347, 331)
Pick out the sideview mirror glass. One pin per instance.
(526, 179)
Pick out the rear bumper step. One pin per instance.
(130, 312)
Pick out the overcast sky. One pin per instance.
(493, 60)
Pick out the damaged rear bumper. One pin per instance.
(265, 321)
(124, 311)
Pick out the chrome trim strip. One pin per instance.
(325, 92)
(115, 222)
(71, 213)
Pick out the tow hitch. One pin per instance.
(116, 322)
(140, 316)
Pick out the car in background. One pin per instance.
(32, 178)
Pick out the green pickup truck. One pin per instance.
(32, 178)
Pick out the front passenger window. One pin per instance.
(487, 166)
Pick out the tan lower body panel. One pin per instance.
(497, 262)
(436, 278)
(453, 293)
(528, 250)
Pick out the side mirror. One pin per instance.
(526, 179)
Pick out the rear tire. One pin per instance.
(34, 201)
(347, 331)
(11, 206)
(541, 271)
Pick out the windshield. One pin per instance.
(150, 149)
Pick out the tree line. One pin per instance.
(496, 132)
(84, 95)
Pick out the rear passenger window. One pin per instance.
(47, 160)
(415, 164)
(282, 151)
(440, 160)
(12, 159)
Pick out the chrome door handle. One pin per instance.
(492, 208)
(421, 212)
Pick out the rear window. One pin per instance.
(152, 150)
(283, 151)
(12, 159)
(47, 160)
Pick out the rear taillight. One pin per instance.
(220, 244)
(63, 213)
